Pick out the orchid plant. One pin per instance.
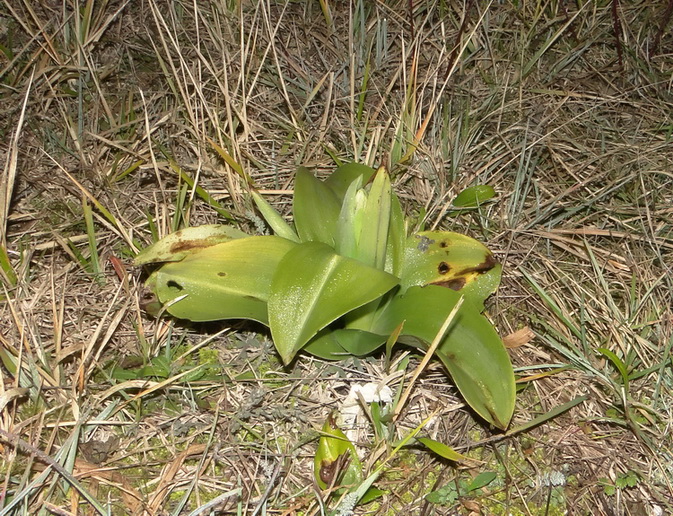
(343, 277)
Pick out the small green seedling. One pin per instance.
(626, 480)
(448, 494)
(336, 461)
(340, 280)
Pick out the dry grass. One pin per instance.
(107, 112)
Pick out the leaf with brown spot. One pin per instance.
(336, 462)
(176, 246)
(450, 260)
(230, 280)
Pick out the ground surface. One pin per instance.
(107, 116)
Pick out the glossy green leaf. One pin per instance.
(474, 196)
(373, 240)
(397, 238)
(341, 343)
(316, 209)
(325, 346)
(360, 343)
(364, 318)
(350, 221)
(343, 176)
(225, 281)
(441, 449)
(176, 246)
(346, 302)
(379, 210)
(471, 349)
(450, 260)
(314, 286)
(336, 461)
(278, 224)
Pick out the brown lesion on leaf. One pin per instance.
(454, 284)
(172, 284)
(330, 472)
(483, 267)
(461, 278)
(149, 302)
(147, 296)
(222, 274)
(443, 268)
(327, 471)
(190, 245)
(444, 244)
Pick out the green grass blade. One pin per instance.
(278, 224)
(200, 191)
(7, 268)
(94, 260)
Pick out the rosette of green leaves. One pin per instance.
(341, 279)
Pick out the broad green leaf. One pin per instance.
(280, 227)
(349, 223)
(364, 318)
(336, 461)
(325, 346)
(372, 244)
(315, 207)
(225, 281)
(341, 343)
(343, 176)
(397, 238)
(360, 343)
(314, 286)
(176, 246)
(450, 260)
(474, 196)
(471, 349)
(382, 221)
(441, 449)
